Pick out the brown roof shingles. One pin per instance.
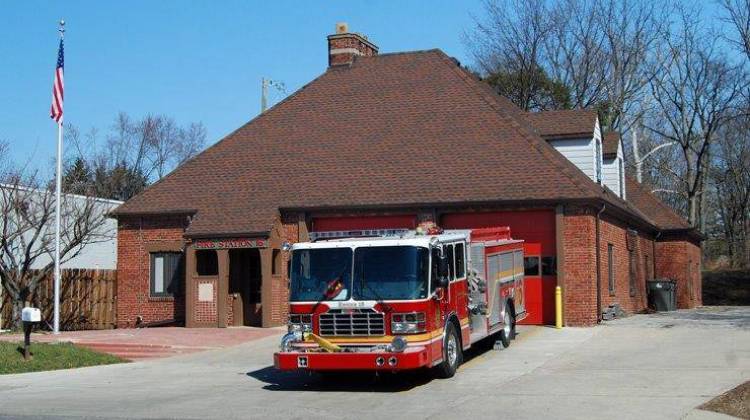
(610, 143)
(391, 130)
(647, 203)
(567, 123)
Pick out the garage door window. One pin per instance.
(531, 266)
(549, 266)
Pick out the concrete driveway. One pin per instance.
(631, 368)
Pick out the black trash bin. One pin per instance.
(662, 295)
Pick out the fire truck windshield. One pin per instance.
(391, 273)
(321, 274)
(380, 273)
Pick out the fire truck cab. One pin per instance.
(404, 300)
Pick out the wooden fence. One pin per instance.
(87, 300)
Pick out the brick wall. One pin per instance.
(135, 237)
(579, 289)
(288, 232)
(616, 233)
(207, 311)
(680, 260)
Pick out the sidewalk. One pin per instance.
(148, 343)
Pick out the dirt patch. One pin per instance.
(734, 403)
(726, 287)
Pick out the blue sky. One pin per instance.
(194, 61)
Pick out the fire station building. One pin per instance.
(388, 141)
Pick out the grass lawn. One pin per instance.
(50, 357)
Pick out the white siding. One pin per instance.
(611, 172)
(583, 152)
(579, 151)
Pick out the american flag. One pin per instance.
(56, 111)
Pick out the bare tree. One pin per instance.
(695, 90)
(730, 176)
(27, 213)
(738, 17)
(511, 39)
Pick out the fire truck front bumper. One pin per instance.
(410, 358)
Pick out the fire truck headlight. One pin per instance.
(408, 323)
(301, 321)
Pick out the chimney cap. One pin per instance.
(342, 28)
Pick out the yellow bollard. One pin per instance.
(558, 307)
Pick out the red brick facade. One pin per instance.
(680, 260)
(579, 267)
(633, 259)
(136, 238)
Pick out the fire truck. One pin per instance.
(401, 299)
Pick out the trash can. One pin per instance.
(662, 295)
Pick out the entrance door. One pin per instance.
(244, 286)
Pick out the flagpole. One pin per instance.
(58, 187)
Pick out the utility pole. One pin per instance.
(264, 84)
(263, 95)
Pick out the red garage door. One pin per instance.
(537, 229)
(328, 224)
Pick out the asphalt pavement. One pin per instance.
(645, 366)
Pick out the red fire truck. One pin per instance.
(400, 300)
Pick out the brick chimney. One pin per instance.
(344, 45)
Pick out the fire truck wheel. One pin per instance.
(451, 353)
(508, 331)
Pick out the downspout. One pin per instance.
(598, 267)
(653, 259)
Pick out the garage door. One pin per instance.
(333, 224)
(537, 229)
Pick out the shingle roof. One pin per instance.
(610, 142)
(387, 131)
(569, 123)
(647, 203)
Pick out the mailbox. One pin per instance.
(31, 315)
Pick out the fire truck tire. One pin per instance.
(509, 328)
(452, 354)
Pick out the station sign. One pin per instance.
(230, 243)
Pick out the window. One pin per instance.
(631, 262)
(321, 274)
(166, 274)
(460, 257)
(621, 174)
(549, 266)
(435, 268)
(451, 266)
(598, 161)
(206, 262)
(276, 262)
(531, 266)
(611, 268)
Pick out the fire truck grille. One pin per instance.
(358, 323)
